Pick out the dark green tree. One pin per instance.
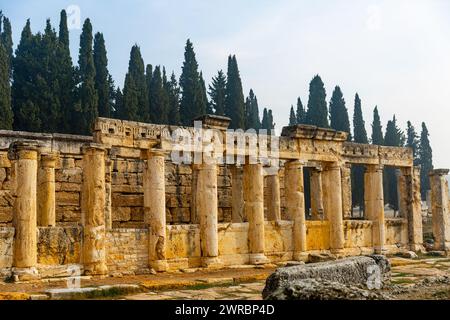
(265, 120)
(338, 112)
(394, 138)
(135, 90)
(6, 114)
(300, 112)
(425, 160)
(377, 131)
(25, 67)
(88, 104)
(157, 95)
(118, 104)
(292, 117)
(234, 101)
(317, 112)
(217, 93)
(102, 84)
(271, 124)
(204, 97)
(192, 102)
(173, 94)
(359, 127)
(412, 141)
(252, 112)
(66, 77)
(6, 40)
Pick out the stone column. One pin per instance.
(273, 188)
(108, 190)
(346, 182)
(93, 209)
(403, 179)
(374, 204)
(194, 192)
(154, 183)
(25, 155)
(253, 182)
(440, 209)
(317, 212)
(332, 203)
(413, 209)
(237, 195)
(295, 205)
(46, 191)
(207, 211)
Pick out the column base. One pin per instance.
(417, 248)
(258, 258)
(300, 256)
(212, 262)
(95, 269)
(159, 265)
(25, 274)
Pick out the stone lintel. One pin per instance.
(92, 146)
(439, 172)
(303, 131)
(211, 121)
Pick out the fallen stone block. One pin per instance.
(92, 292)
(320, 257)
(369, 271)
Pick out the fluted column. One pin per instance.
(440, 209)
(333, 205)
(237, 195)
(155, 208)
(93, 209)
(316, 194)
(295, 205)
(253, 182)
(46, 191)
(273, 187)
(25, 154)
(413, 203)
(207, 211)
(374, 204)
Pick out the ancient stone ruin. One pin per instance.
(116, 203)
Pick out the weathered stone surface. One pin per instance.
(321, 257)
(350, 271)
(58, 245)
(320, 289)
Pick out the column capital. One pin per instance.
(294, 163)
(374, 167)
(330, 166)
(24, 149)
(438, 172)
(49, 159)
(147, 153)
(89, 147)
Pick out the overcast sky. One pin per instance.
(394, 53)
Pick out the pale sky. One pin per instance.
(394, 53)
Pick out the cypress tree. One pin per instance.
(206, 106)
(157, 97)
(88, 108)
(265, 120)
(359, 136)
(102, 84)
(359, 128)
(234, 101)
(66, 77)
(135, 91)
(292, 117)
(425, 160)
(271, 124)
(26, 111)
(377, 133)
(6, 40)
(412, 141)
(394, 138)
(217, 93)
(173, 94)
(148, 83)
(300, 112)
(317, 112)
(6, 115)
(192, 103)
(118, 104)
(338, 112)
(47, 84)
(252, 112)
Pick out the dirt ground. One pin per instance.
(423, 278)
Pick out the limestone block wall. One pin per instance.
(59, 245)
(6, 248)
